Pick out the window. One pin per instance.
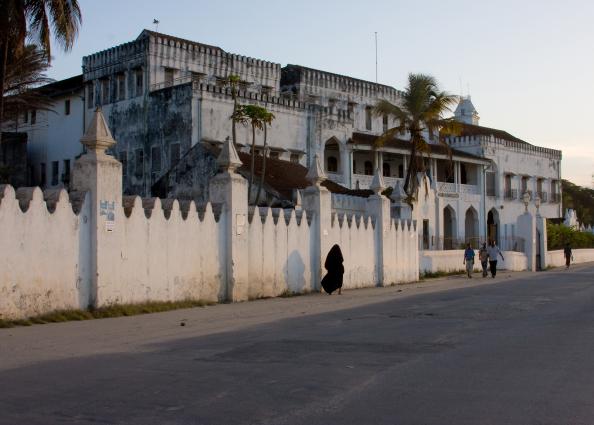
(332, 164)
(139, 83)
(401, 170)
(104, 91)
(90, 96)
(354, 166)
(274, 154)
(66, 175)
(169, 75)
(524, 186)
(155, 159)
(121, 80)
(124, 161)
(26, 117)
(368, 168)
(139, 164)
(33, 116)
(491, 183)
(174, 154)
(368, 118)
(42, 176)
(67, 107)
(386, 170)
(55, 172)
(294, 158)
(385, 123)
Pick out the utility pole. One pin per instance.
(375, 57)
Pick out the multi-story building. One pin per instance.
(168, 103)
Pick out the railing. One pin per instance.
(185, 78)
(446, 187)
(491, 191)
(335, 177)
(510, 194)
(542, 196)
(391, 181)
(555, 198)
(469, 189)
(363, 180)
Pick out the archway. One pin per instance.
(471, 227)
(332, 155)
(493, 225)
(449, 228)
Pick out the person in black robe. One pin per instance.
(333, 279)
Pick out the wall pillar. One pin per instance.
(317, 203)
(379, 207)
(526, 229)
(100, 175)
(230, 188)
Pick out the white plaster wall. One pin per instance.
(279, 254)
(355, 236)
(557, 258)
(452, 260)
(44, 257)
(167, 259)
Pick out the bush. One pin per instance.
(558, 235)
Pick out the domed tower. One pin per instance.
(466, 112)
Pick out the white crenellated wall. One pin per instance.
(557, 258)
(168, 259)
(43, 255)
(279, 253)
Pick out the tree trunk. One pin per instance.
(263, 167)
(3, 60)
(253, 163)
(409, 171)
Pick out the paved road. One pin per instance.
(515, 350)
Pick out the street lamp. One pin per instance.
(526, 199)
(537, 203)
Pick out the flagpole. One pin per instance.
(375, 57)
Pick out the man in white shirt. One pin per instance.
(493, 250)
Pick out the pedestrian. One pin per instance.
(493, 250)
(333, 279)
(469, 259)
(568, 255)
(484, 258)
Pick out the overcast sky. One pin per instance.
(528, 64)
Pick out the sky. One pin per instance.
(528, 64)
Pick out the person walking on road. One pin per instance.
(333, 279)
(568, 255)
(469, 259)
(484, 259)
(493, 250)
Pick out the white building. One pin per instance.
(167, 104)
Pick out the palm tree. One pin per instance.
(420, 114)
(267, 118)
(38, 20)
(233, 82)
(252, 115)
(24, 73)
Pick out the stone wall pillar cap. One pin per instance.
(315, 175)
(98, 137)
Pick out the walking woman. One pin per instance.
(493, 250)
(333, 279)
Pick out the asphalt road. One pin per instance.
(518, 349)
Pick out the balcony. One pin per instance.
(555, 198)
(510, 194)
(543, 196)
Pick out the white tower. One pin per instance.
(466, 112)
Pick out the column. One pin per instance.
(318, 204)
(230, 188)
(100, 175)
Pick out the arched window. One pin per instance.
(368, 168)
(386, 170)
(332, 164)
(401, 171)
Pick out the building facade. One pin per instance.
(167, 101)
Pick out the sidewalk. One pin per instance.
(25, 345)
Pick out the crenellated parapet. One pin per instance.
(34, 200)
(486, 141)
